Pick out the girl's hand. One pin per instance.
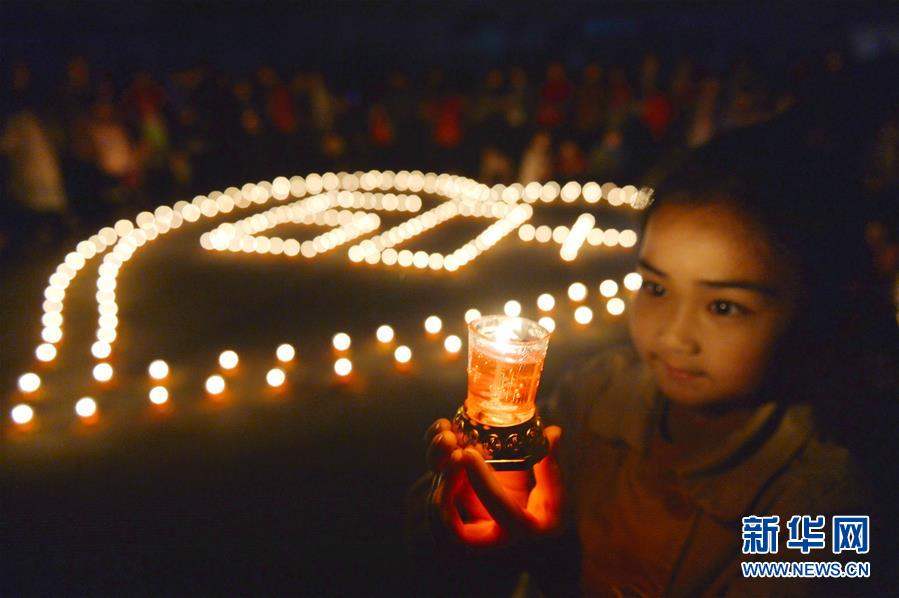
(444, 456)
(499, 511)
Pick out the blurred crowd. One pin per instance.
(87, 146)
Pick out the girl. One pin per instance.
(756, 330)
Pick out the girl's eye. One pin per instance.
(727, 308)
(652, 289)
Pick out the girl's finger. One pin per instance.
(451, 480)
(484, 533)
(547, 472)
(446, 486)
(436, 428)
(545, 501)
(441, 447)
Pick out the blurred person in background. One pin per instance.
(321, 103)
(382, 140)
(555, 96)
(35, 203)
(281, 119)
(607, 161)
(703, 121)
(520, 98)
(656, 111)
(113, 151)
(621, 96)
(381, 130)
(488, 107)
(77, 92)
(443, 111)
(402, 103)
(571, 163)
(144, 102)
(590, 103)
(747, 97)
(536, 163)
(496, 167)
(280, 107)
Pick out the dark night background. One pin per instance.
(304, 494)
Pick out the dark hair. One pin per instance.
(842, 345)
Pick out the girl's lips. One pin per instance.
(679, 374)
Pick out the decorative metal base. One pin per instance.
(506, 448)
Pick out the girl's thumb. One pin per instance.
(553, 436)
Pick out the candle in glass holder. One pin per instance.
(505, 360)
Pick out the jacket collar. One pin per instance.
(727, 482)
(724, 482)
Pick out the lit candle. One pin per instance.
(158, 369)
(384, 334)
(30, 382)
(501, 418)
(45, 352)
(608, 288)
(285, 352)
(633, 281)
(577, 291)
(215, 385)
(615, 306)
(575, 239)
(547, 323)
(402, 354)
(22, 414)
(433, 324)
(452, 344)
(546, 302)
(103, 372)
(341, 341)
(343, 367)
(86, 407)
(101, 350)
(275, 377)
(583, 315)
(512, 308)
(159, 395)
(228, 359)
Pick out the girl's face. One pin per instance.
(714, 303)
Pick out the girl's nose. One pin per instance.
(678, 332)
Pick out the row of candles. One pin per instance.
(320, 210)
(381, 247)
(244, 236)
(86, 407)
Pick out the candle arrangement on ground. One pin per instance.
(348, 204)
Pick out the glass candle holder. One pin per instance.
(505, 360)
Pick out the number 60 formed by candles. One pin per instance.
(464, 198)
